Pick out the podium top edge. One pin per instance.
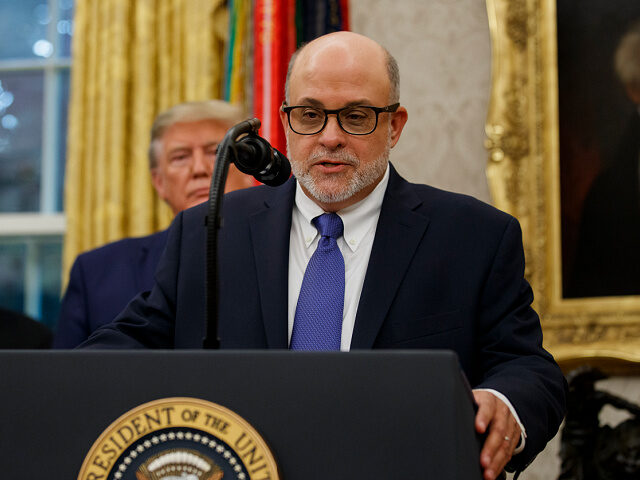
(199, 352)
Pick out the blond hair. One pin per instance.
(218, 110)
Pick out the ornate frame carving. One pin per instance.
(524, 179)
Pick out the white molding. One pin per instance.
(21, 64)
(31, 224)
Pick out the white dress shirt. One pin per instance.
(359, 222)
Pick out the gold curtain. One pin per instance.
(131, 59)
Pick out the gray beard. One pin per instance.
(360, 180)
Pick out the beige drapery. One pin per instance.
(131, 59)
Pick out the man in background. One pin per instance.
(182, 153)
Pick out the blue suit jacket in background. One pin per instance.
(446, 272)
(102, 282)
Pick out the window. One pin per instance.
(35, 61)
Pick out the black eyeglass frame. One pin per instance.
(378, 110)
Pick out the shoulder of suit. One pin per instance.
(114, 250)
(434, 201)
(437, 201)
(239, 204)
(252, 197)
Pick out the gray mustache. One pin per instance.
(341, 156)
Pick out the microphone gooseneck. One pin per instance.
(254, 156)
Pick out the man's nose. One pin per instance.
(202, 162)
(332, 136)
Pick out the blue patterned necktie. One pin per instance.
(318, 320)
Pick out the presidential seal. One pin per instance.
(179, 439)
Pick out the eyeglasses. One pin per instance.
(355, 120)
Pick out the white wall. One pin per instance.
(443, 50)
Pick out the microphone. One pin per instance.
(254, 156)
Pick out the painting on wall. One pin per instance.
(563, 136)
(599, 131)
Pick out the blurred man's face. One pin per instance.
(185, 162)
(633, 91)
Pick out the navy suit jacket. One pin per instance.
(446, 271)
(102, 282)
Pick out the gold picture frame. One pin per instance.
(524, 179)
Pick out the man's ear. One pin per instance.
(398, 120)
(283, 119)
(158, 183)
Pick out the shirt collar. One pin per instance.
(358, 219)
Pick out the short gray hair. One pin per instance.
(627, 58)
(394, 77)
(392, 70)
(218, 110)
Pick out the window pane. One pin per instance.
(65, 27)
(30, 276)
(23, 29)
(63, 116)
(20, 140)
(50, 264)
(12, 276)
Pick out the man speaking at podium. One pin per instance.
(349, 255)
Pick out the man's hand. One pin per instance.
(503, 437)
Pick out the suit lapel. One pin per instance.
(270, 229)
(398, 234)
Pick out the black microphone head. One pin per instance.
(254, 156)
(281, 171)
